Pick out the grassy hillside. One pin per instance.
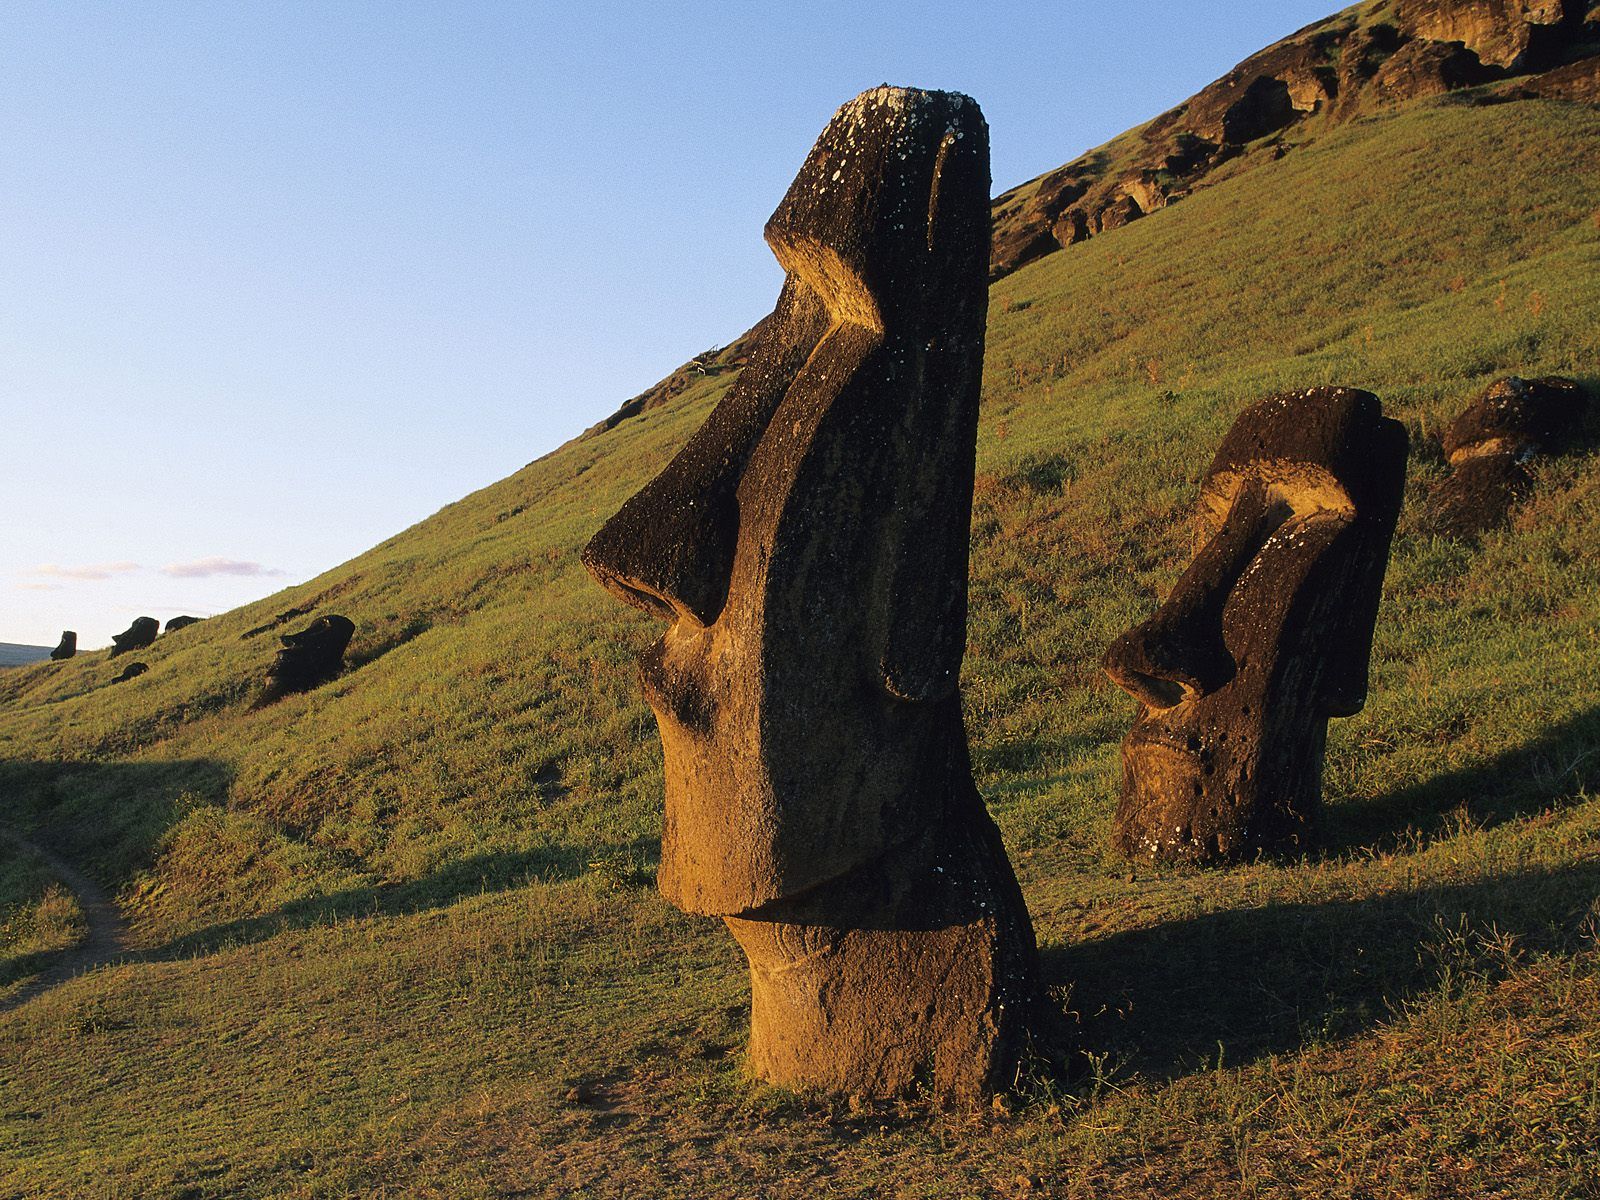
(395, 937)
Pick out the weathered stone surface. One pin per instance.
(1488, 445)
(808, 551)
(1117, 214)
(136, 636)
(1424, 68)
(132, 671)
(311, 657)
(1511, 34)
(66, 647)
(178, 623)
(1266, 635)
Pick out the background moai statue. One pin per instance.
(808, 551)
(66, 647)
(136, 636)
(132, 671)
(177, 623)
(1489, 444)
(1266, 635)
(309, 658)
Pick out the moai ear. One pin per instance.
(927, 610)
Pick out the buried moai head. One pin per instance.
(66, 647)
(132, 671)
(1489, 445)
(177, 623)
(1265, 636)
(808, 547)
(807, 550)
(136, 636)
(309, 658)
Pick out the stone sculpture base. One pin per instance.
(913, 976)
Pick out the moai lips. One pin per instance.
(1266, 635)
(808, 551)
(1490, 444)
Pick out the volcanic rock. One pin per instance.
(132, 671)
(808, 551)
(1266, 635)
(309, 658)
(137, 636)
(1488, 445)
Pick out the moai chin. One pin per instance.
(808, 551)
(1265, 636)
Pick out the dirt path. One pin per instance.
(105, 942)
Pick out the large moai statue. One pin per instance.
(136, 636)
(1490, 444)
(309, 658)
(66, 647)
(1266, 635)
(808, 551)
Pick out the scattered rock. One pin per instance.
(66, 647)
(178, 623)
(136, 636)
(1266, 635)
(1489, 445)
(815, 530)
(309, 658)
(132, 671)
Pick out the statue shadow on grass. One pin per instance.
(1168, 1001)
(1543, 774)
(621, 866)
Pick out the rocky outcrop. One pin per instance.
(66, 647)
(1367, 58)
(807, 551)
(1490, 445)
(137, 636)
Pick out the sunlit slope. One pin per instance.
(494, 716)
(395, 937)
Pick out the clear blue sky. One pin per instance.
(279, 279)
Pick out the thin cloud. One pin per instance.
(87, 571)
(38, 587)
(205, 568)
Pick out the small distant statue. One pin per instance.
(1490, 445)
(309, 658)
(66, 647)
(1265, 637)
(178, 623)
(807, 550)
(132, 671)
(136, 636)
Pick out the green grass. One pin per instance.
(38, 918)
(387, 926)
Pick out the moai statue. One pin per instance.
(1489, 444)
(132, 671)
(136, 636)
(178, 623)
(66, 647)
(807, 550)
(1266, 635)
(309, 658)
